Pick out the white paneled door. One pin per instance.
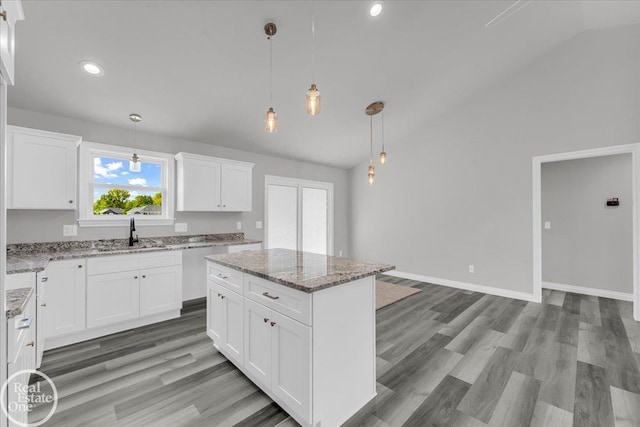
(299, 215)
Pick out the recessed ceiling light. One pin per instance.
(91, 68)
(376, 9)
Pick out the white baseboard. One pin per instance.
(466, 286)
(588, 291)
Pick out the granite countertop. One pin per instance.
(17, 301)
(34, 257)
(304, 271)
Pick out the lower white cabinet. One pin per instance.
(66, 294)
(225, 321)
(112, 298)
(160, 290)
(278, 355)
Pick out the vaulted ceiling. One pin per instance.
(199, 70)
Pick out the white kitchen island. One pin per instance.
(301, 326)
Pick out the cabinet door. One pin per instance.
(198, 185)
(215, 313)
(42, 172)
(7, 42)
(233, 343)
(291, 364)
(257, 341)
(236, 188)
(160, 290)
(41, 316)
(112, 298)
(66, 290)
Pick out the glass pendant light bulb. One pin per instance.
(383, 157)
(271, 121)
(313, 100)
(371, 178)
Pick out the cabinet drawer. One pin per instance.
(132, 262)
(19, 329)
(288, 301)
(227, 277)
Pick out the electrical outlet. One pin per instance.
(180, 227)
(258, 225)
(472, 268)
(547, 225)
(69, 230)
(340, 253)
(239, 225)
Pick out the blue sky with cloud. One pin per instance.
(113, 171)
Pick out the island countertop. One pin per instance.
(305, 271)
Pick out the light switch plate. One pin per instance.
(70, 230)
(258, 224)
(239, 225)
(180, 227)
(547, 225)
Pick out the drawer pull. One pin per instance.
(222, 296)
(144, 277)
(80, 266)
(135, 277)
(222, 276)
(31, 344)
(266, 294)
(273, 324)
(266, 320)
(44, 279)
(43, 305)
(24, 323)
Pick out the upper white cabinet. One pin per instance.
(11, 11)
(211, 184)
(41, 169)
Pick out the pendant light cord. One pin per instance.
(382, 130)
(271, 71)
(371, 139)
(313, 44)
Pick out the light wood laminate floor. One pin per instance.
(445, 357)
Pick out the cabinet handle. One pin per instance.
(273, 324)
(44, 279)
(224, 206)
(266, 320)
(222, 276)
(80, 266)
(31, 344)
(4, 15)
(144, 277)
(218, 205)
(70, 201)
(43, 305)
(222, 296)
(24, 323)
(266, 294)
(135, 277)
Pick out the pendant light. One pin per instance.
(371, 110)
(135, 165)
(383, 154)
(312, 106)
(271, 118)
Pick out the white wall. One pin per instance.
(42, 226)
(589, 244)
(459, 191)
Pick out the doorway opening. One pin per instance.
(544, 225)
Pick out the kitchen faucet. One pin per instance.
(132, 228)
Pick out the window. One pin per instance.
(299, 215)
(111, 193)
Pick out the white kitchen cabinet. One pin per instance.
(278, 355)
(41, 169)
(112, 298)
(235, 188)
(12, 10)
(66, 293)
(21, 333)
(226, 321)
(160, 290)
(41, 314)
(211, 184)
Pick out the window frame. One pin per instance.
(86, 218)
